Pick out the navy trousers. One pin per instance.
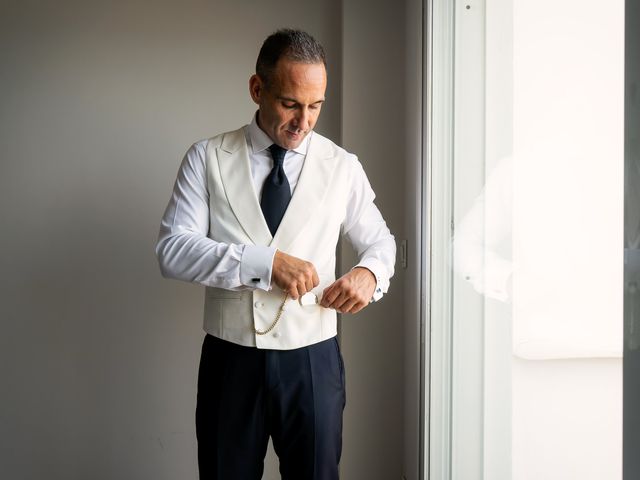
(246, 395)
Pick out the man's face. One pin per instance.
(290, 105)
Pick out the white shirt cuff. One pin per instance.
(256, 265)
(492, 281)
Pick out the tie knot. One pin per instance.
(277, 152)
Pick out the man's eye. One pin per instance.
(289, 105)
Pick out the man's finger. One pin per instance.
(294, 290)
(329, 295)
(341, 299)
(309, 285)
(338, 300)
(348, 305)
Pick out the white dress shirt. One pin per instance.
(187, 253)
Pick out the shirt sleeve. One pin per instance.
(368, 233)
(482, 239)
(184, 249)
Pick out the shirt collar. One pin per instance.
(259, 140)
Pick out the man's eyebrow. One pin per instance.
(295, 101)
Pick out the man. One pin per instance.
(255, 216)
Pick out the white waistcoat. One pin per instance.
(309, 230)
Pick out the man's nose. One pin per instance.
(302, 119)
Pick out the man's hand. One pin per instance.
(293, 275)
(351, 292)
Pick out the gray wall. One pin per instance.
(99, 101)
(373, 126)
(631, 411)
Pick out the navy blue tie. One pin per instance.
(276, 192)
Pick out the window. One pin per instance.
(525, 219)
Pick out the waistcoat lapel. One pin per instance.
(235, 172)
(312, 185)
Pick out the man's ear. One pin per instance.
(256, 88)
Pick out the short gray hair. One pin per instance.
(294, 45)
